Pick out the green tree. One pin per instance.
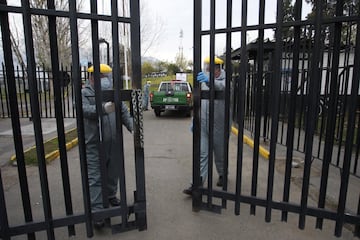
(147, 68)
(41, 36)
(40, 28)
(173, 69)
(351, 8)
(161, 66)
(287, 33)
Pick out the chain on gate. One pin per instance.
(136, 99)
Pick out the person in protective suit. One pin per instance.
(108, 135)
(146, 95)
(219, 123)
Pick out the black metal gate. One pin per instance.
(267, 94)
(127, 216)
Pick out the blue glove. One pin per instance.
(201, 77)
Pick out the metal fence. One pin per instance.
(342, 100)
(300, 90)
(49, 96)
(46, 95)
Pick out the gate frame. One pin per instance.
(198, 203)
(134, 96)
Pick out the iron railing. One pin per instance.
(288, 93)
(26, 93)
(46, 97)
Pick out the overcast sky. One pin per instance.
(177, 15)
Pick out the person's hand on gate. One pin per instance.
(201, 77)
(109, 107)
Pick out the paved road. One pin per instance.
(168, 163)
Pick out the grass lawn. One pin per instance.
(50, 148)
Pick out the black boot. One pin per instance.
(114, 201)
(189, 190)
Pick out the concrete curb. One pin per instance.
(263, 152)
(54, 154)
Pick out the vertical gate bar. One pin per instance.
(77, 84)
(1, 98)
(304, 88)
(357, 147)
(357, 226)
(136, 76)
(63, 97)
(73, 89)
(98, 100)
(241, 105)
(118, 84)
(331, 116)
(283, 87)
(35, 115)
(18, 87)
(6, 97)
(258, 103)
(211, 102)
(349, 138)
(59, 114)
(227, 96)
(19, 91)
(322, 68)
(300, 89)
(40, 76)
(196, 197)
(68, 96)
(26, 92)
(344, 86)
(312, 104)
(4, 100)
(50, 105)
(266, 114)
(4, 224)
(45, 95)
(275, 109)
(139, 194)
(135, 37)
(292, 107)
(18, 143)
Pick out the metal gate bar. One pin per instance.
(16, 128)
(349, 138)
(305, 59)
(119, 139)
(60, 107)
(59, 115)
(258, 86)
(35, 114)
(330, 131)
(77, 84)
(292, 105)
